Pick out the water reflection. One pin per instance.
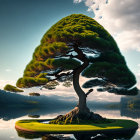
(9, 115)
(126, 135)
(13, 106)
(130, 107)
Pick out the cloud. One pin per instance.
(138, 73)
(127, 40)
(120, 18)
(65, 93)
(138, 65)
(138, 79)
(12, 137)
(4, 82)
(138, 76)
(8, 70)
(77, 1)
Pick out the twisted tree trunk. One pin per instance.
(82, 106)
(81, 112)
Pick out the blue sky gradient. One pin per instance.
(23, 23)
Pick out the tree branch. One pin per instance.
(89, 92)
(91, 51)
(64, 74)
(81, 56)
(56, 73)
(76, 72)
(71, 56)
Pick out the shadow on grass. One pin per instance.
(78, 136)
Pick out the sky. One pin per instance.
(24, 22)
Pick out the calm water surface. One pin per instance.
(11, 115)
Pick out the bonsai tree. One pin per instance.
(77, 46)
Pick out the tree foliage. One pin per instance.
(64, 48)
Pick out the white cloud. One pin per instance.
(138, 131)
(66, 93)
(138, 79)
(77, 1)
(4, 82)
(94, 5)
(138, 65)
(121, 19)
(127, 40)
(12, 137)
(138, 73)
(8, 70)
(138, 76)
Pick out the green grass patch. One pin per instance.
(37, 126)
(12, 88)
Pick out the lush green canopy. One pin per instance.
(66, 45)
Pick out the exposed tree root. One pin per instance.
(78, 117)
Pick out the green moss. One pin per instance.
(41, 75)
(30, 82)
(36, 126)
(49, 62)
(83, 29)
(12, 88)
(46, 50)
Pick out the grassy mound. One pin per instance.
(37, 126)
(12, 88)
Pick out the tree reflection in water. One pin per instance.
(79, 136)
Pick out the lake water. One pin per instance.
(10, 115)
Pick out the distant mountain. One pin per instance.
(13, 105)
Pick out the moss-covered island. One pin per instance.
(36, 126)
(75, 46)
